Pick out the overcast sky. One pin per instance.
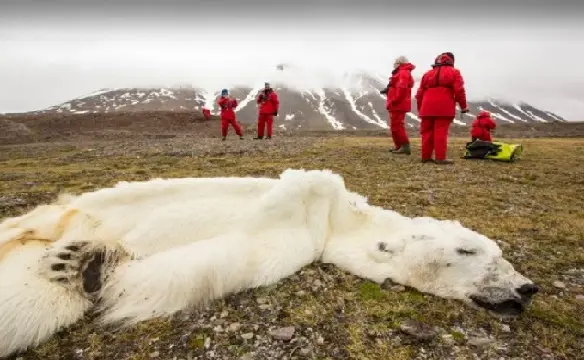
(52, 51)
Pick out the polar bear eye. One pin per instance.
(466, 252)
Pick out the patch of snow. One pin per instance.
(250, 97)
(535, 117)
(499, 116)
(360, 114)
(95, 93)
(414, 117)
(168, 93)
(506, 112)
(374, 112)
(289, 117)
(337, 125)
(553, 116)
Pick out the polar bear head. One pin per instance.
(444, 258)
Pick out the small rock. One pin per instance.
(320, 340)
(154, 355)
(247, 336)
(397, 288)
(284, 333)
(479, 341)
(234, 327)
(417, 329)
(265, 307)
(580, 297)
(387, 284)
(505, 328)
(305, 352)
(262, 300)
(300, 293)
(207, 343)
(448, 339)
(224, 314)
(559, 284)
(249, 356)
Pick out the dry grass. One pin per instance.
(534, 206)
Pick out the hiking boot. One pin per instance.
(444, 162)
(392, 150)
(404, 149)
(223, 138)
(427, 161)
(258, 137)
(268, 137)
(241, 138)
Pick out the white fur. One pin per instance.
(183, 242)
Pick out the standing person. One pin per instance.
(440, 89)
(399, 102)
(482, 126)
(268, 103)
(227, 104)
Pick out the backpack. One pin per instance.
(494, 150)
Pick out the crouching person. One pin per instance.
(482, 126)
(227, 104)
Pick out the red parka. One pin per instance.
(399, 95)
(269, 104)
(227, 107)
(206, 113)
(440, 89)
(482, 126)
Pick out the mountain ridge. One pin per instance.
(355, 105)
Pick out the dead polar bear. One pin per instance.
(174, 243)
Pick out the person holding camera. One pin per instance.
(227, 104)
(268, 104)
(440, 89)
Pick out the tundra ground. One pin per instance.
(534, 206)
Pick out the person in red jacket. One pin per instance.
(206, 113)
(440, 89)
(482, 126)
(227, 104)
(399, 102)
(268, 103)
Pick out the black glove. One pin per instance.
(276, 113)
(464, 111)
(384, 91)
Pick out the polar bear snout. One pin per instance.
(527, 291)
(514, 303)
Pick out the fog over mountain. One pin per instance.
(55, 51)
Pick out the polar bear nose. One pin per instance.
(527, 290)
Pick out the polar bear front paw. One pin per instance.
(65, 264)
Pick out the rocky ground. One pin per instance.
(533, 207)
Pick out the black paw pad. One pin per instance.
(74, 248)
(58, 267)
(64, 256)
(92, 274)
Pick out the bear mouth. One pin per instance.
(506, 308)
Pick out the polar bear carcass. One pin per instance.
(141, 250)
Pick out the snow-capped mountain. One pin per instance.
(356, 105)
